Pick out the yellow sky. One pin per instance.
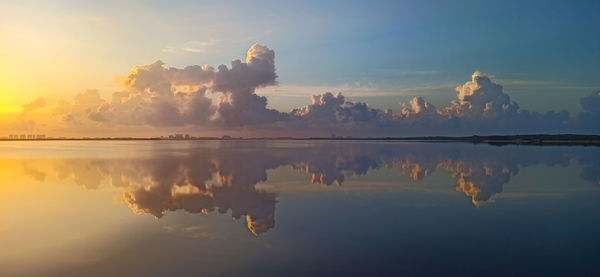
(34, 63)
(49, 62)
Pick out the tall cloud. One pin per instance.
(479, 98)
(240, 105)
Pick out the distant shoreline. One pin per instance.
(562, 139)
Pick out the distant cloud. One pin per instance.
(196, 46)
(23, 122)
(157, 96)
(193, 46)
(34, 105)
(417, 106)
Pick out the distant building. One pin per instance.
(22, 136)
(226, 137)
(179, 137)
(41, 136)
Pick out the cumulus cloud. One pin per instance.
(241, 105)
(417, 106)
(479, 98)
(331, 112)
(159, 96)
(163, 97)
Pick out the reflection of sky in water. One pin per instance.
(310, 207)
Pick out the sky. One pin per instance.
(545, 55)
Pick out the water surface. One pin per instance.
(297, 208)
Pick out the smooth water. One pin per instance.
(297, 208)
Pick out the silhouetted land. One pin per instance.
(536, 139)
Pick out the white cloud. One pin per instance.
(193, 46)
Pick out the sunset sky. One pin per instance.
(88, 68)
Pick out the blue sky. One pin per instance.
(396, 44)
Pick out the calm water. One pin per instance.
(297, 208)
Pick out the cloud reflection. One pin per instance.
(223, 179)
